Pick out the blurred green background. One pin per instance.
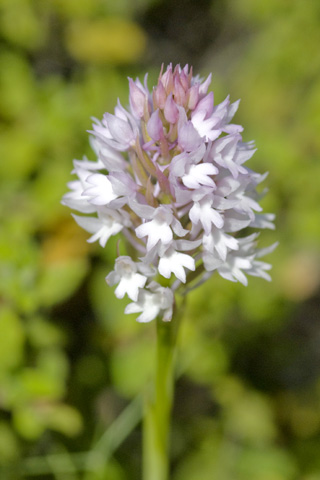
(72, 365)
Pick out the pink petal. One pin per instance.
(188, 137)
(155, 127)
(137, 99)
(119, 129)
(171, 112)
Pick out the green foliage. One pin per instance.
(113, 40)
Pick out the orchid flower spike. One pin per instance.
(170, 176)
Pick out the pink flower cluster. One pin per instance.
(170, 176)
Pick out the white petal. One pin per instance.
(112, 278)
(216, 218)
(101, 192)
(132, 308)
(164, 267)
(144, 211)
(187, 261)
(165, 233)
(235, 221)
(211, 262)
(194, 213)
(122, 288)
(155, 231)
(90, 224)
(263, 221)
(177, 228)
(225, 273)
(149, 314)
(221, 248)
(240, 276)
(137, 281)
(120, 129)
(143, 230)
(179, 272)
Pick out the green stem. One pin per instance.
(159, 404)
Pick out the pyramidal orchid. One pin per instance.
(170, 175)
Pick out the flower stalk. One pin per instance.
(158, 404)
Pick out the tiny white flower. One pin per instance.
(263, 220)
(203, 212)
(238, 192)
(129, 281)
(117, 131)
(232, 268)
(111, 159)
(159, 228)
(206, 127)
(100, 191)
(197, 175)
(225, 153)
(175, 262)
(76, 200)
(107, 224)
(219, 241)
(152, 303)
(156, 230)
(244, 261)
